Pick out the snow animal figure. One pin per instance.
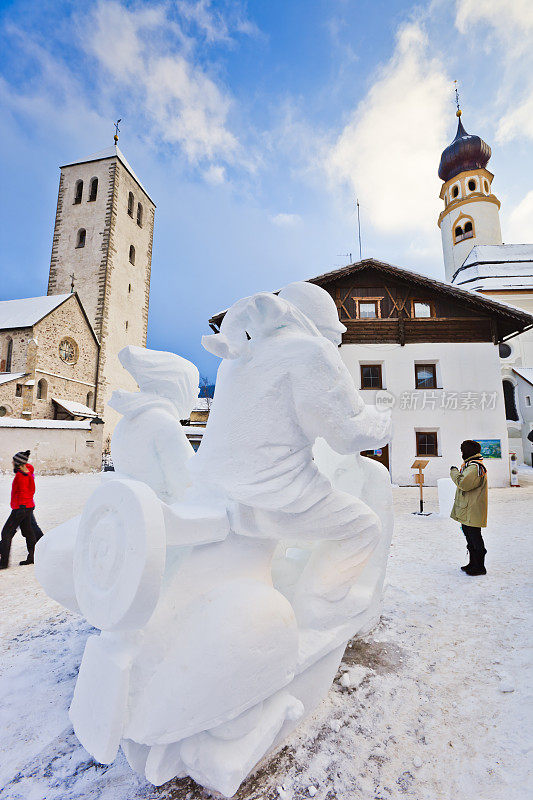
(204, 665)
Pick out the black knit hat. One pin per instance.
(21, 458)
(470, 448)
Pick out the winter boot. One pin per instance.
(469, 565)
(28, 560)
(478, 563)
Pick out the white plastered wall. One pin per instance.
(461, 368)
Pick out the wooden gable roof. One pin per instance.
(457, 314)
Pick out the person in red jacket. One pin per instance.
(22, 505)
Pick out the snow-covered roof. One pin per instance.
(525, 372)
(497, 266)
(12, 422)
(194, 430)
(5, 377)
(110, 152)
(74, 408)
(499, 254)
(28, 311)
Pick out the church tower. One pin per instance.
(471, 211)
(102, 248)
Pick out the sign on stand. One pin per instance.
(420, 464)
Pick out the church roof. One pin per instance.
(525, 372)
(28, 311)
(6, 377)
(493, 266)
(113, 151)
(466, 152)
(74, 408)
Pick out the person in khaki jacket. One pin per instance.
(470, 505)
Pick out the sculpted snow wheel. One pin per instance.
(120, 556)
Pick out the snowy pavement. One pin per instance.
(434, 705)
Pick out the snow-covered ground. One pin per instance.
(434, 705)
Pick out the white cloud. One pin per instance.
(388, 152)
(286, 220)
(215, 26)
(152, 65)
(520, 222)
(215, 175)
(507, 27)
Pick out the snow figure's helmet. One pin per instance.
(252, 319)
(318, 305)
(164, 374)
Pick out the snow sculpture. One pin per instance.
(226, 584)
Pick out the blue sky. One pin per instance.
(254, 126)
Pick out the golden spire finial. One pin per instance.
(117, 130)
(458, 112)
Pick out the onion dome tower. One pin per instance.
(471, 212)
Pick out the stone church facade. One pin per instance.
(63, 348)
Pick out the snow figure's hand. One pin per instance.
(374, 428)
(119, 557)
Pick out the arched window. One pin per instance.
(139, 215)
(90, 399)
(132, 254)
(510, 404)
(486, 185)
(464, 229)
(131, 203)
(42, 389)
(78, 192)
(455, 191)
(80, 241)
(93, 191)
(472, 185)
(9, 356)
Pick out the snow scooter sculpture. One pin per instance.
(225, 591)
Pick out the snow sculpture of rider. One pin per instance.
(282, 385)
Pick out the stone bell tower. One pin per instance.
(471, 214)
(102, 248)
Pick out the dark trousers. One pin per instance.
(37, 533)
(19, 518)
(474, 539)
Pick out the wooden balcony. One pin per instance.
(405, 330)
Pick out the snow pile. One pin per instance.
(429, 720)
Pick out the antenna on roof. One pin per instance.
(345, 255)
(72, 277)
(458, 112)
(117, 131)
(359, 229)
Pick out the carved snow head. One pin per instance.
(253, 319)
(318, 305)
(164, 374)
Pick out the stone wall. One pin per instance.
(56, 447)
(67, 381)
(127, 289)
(21, 337)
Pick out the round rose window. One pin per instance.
(68, 351)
